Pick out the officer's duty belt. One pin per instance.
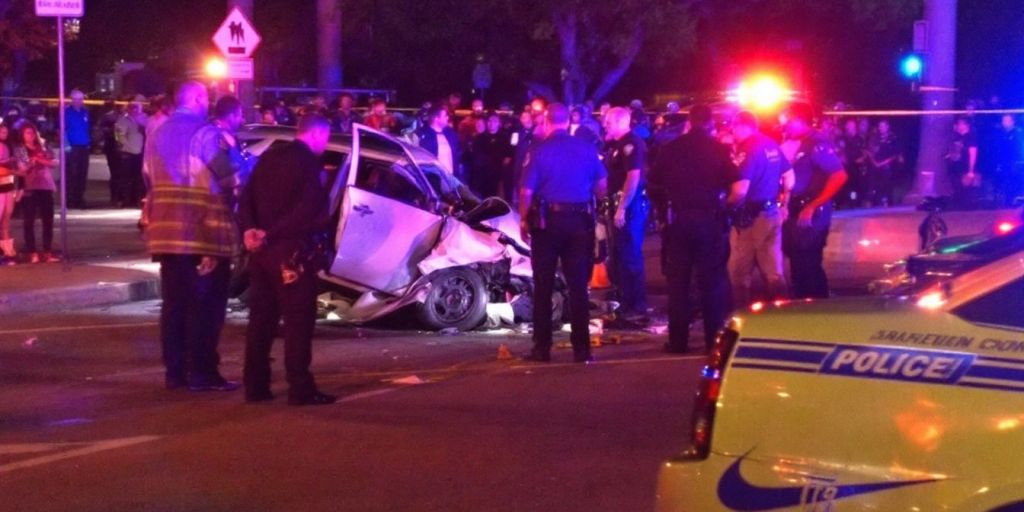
(587, 207)
(757, 207)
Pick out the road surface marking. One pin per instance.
(86, 449)
(370, 394)
(605, 362)
(80, 328)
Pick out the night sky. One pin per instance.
(854, 67)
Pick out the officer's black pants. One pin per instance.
(270, 300)
(78, 174)
(805, 247)
(696, 243)
(627, 258)
(132, 188)
(191, 317)
(114, 164)
(569, 238)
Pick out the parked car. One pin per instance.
(873, 404)
(943, 257)
(407, 233)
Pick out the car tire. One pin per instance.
(457, 299)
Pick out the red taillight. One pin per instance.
(709, 391)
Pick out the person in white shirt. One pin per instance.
(440, 139)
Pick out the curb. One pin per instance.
(99, 294)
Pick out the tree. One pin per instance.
(23, 37)
(599, 40)
(843, 49)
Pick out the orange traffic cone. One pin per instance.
(504, 354)
(600, 277)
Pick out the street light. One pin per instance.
(216, 68)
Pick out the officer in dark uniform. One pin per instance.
(819, 177)
(765, 182)
(625, 156)
(562, 176)
(283, 211)
(693, 174)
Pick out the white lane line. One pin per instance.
(370, 394)
(87, 449)
(541, 366)
(80, 328)
(15, 449)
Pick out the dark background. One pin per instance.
(423, 49)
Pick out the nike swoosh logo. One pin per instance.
(738, 494)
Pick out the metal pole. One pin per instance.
(937, 94)
(63, 139)
(245, 90)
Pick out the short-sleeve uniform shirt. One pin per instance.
(563, 169)
(958, 155)
(761, 161)
(815, 161)
(624, 155)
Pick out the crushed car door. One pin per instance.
(386, 226)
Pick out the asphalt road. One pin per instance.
(85, 424)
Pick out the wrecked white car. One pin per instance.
(408, 234)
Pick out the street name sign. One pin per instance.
(239, 69)
(65, 8)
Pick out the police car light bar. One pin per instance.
(761, 93)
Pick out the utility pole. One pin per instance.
(937, 93)
(246, 92)
(328, 44)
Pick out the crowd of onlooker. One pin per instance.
(483, 146)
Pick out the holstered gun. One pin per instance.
(538, 216)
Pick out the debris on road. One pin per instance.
(499, 314)
(657, 329)
(504, 354)
(411, 380)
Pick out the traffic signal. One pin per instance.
(912, 67)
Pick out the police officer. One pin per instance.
(765, 181)
(625, 156)
(283, 211)
(563, 174)
(693, 173)
(819, 177)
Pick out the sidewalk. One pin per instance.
(109, 264)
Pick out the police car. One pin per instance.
(912, 403)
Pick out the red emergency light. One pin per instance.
(761, 93)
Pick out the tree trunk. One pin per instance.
(328, 28)
(567, 24)
(12, 84)
(612, 77)
(543, 90)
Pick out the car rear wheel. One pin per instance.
(457, 299)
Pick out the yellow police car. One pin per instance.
(884, 404)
